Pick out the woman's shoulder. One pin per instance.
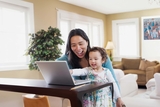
(107, 63)
(62, 58)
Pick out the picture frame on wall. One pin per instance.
(151, 28)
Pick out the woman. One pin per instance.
(77, 54)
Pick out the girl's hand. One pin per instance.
(120, 103)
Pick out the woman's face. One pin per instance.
(79, 46)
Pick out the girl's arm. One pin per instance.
(79, 72)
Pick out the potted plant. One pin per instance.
(44, 46)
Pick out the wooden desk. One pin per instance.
(73, 93)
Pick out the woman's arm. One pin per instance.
(109, 66)
(111, 79)
(117, 95)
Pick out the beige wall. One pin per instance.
(28, 74)
(45, 13)
(136, 14)
(45, 16)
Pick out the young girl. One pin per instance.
(96, 73)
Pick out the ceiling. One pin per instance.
(114, 6)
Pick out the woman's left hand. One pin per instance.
(120, 103)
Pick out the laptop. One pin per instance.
(57, 72)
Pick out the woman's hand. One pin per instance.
(120, 103)
(70, 71)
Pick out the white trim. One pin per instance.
(9, 68)
(70, 15)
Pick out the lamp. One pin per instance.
(110, 47)
(156, 1)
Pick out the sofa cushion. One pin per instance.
(153, 95)
(140, 102)
(150, 84)
(131, 63)
(145, 63)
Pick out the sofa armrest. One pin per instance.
(118, 66)
(150, 71)
(157, 68)
(128, 80)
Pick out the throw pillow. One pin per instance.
(142, 65)
(157, 83)
(145, 63)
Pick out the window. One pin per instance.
(126, 38)
(93, 27)
(15, 25)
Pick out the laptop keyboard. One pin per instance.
(78, 81)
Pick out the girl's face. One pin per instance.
(79, 46)
(95, 60)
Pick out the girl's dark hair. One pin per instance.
(72, 58)
(102, 51)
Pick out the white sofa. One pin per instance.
(134, 97)
(128, 84)
(153, 87)
(146, 98)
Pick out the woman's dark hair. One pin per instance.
(72, 57)
(102, 51)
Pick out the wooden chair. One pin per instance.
(32, 100)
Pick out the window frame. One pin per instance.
(116, 55)
(29, 29)
(74, 17)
